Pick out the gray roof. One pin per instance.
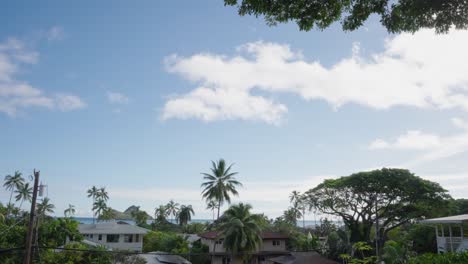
(163, 258)
(455, 219)
(111, 228)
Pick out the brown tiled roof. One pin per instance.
(265, 235)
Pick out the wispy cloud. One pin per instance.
(19, 94)
(55, 33)
(423, 70)
(433, 146)
(117, 98)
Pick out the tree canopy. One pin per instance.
(397, 195)
(395, 15)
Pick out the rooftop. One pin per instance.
(455, 219)
(111, 228)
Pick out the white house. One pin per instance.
(451, 232)
(114, 235)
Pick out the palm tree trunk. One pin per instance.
(21, 203)
(303, 218)
(219, 206)
(9, 203)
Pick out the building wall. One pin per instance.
(210, 243)
(134, 246)
(267, 245)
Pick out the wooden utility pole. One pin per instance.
(32, 220)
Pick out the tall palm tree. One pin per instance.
(24, 192)
(240, 229)
(13, 183)
(102, 194)
(70, 211)
(185, 214)
(45, 207)
(298, 203)
(99, 206)
(211, 205)
(92, 193)
(172, 208)
(220, 183)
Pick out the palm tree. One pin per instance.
(99, 206)
(220, 183)
(172, 208)
(13, 183)
(93, 192)
(24, 192)
(211, 205)
(298, 203)
(102, 194)
(185, 214)
(45, 207)
(108, 214)
(70, 211)
(160, 213)
(240, 229)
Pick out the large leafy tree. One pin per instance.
(185, 214)
(24, 193)
(13, 182)
(240, 229)
(395, 15)
(220, 184)
(394, 196)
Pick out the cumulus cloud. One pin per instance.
(421, 70)
(434, 146)
(18, 94)
(117, 98)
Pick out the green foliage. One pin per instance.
(240, 229)
(399, 196)
(140, 217)
(461, 206)
(337, 244)
(423, 238)
(395, 253)
(396, 16)
(75, 254)
(194, 228)
(447, 258)
(197, 248)
(165, 241)
(185, 214)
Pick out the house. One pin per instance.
(274, 245)
(301, 258)
(114, 235)
(451, 232)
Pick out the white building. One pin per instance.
(451, 232)
(114, 235)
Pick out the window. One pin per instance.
(91, 236)
(137, 238)
(276, 243)
(219, 242)
(128, 238)
(99, 237)
(226, 260)
(112, 238)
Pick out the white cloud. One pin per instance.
(117, 98)
(55, 33)
(17, 94)
(434, 146)
(421, 70)
(413, 140)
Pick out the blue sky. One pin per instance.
(140, 98)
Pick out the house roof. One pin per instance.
(264, 235)
(110, 228)
(301, 258)
(163, 258)
(455, 219)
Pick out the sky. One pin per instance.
(140, 98)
